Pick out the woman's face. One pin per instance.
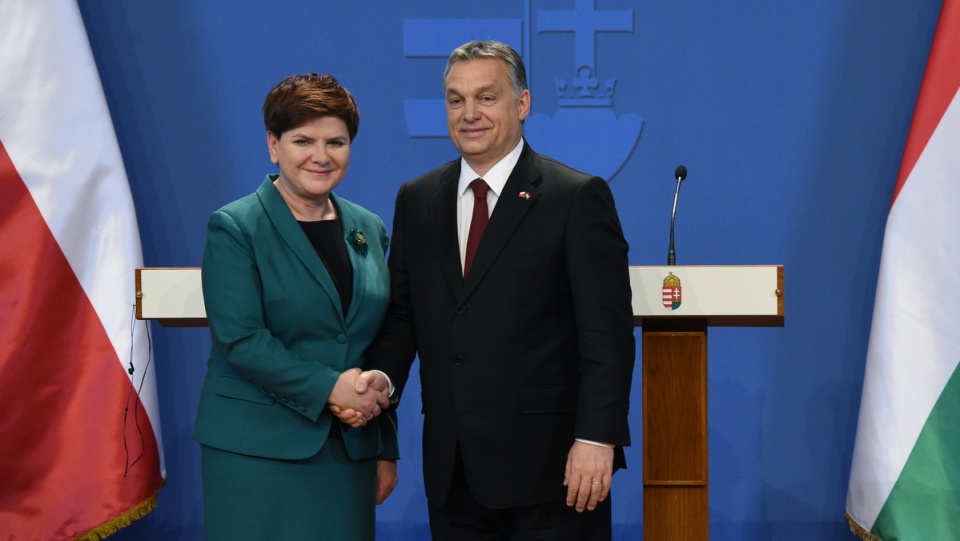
(313, 158)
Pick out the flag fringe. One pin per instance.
(859, 530)
(116, 524)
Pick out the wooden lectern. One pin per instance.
(676, 305)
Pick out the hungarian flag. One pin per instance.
(905, 478)
(79, 432)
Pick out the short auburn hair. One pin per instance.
(299, 99)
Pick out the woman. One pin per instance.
(295, 287)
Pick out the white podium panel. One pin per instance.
(172, 295)
(749, 295)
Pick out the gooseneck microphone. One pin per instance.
(680, 173)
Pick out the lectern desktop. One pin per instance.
(674, 305)
(173, 296)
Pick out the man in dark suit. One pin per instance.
(526, 352)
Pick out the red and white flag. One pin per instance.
(905, 477)
(80, 453)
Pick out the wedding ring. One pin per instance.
(597, 483)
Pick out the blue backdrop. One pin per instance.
(790, 116)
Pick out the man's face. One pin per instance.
(484, 116)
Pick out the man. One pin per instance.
(526, 351)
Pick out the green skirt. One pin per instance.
(326, 497)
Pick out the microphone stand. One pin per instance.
(680, 174)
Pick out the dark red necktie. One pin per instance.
(478, 223)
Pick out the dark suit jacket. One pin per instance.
(279, 337)
(534, 349)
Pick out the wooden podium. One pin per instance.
(676, 305)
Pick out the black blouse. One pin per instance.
(326, 236)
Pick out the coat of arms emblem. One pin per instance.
(672, 292)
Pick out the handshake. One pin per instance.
(359, 396)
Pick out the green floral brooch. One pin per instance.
(358, 241)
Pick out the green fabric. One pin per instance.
(924, 504)
(254, 498)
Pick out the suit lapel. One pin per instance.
(357, 261)
(518, 196)
(292, 235)
(443, 218)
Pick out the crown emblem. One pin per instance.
(585, 90)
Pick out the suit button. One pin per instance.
(461, 310)
(341, 339)
(458, 361)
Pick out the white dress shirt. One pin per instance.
(495, 178)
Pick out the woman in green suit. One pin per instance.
(295, 287)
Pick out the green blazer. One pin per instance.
(279, 337)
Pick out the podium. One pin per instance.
(675, 305)
(171, 295)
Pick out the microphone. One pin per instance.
(680, 173)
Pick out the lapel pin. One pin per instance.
(358, 241)
(524, 195)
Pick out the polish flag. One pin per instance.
(80, 453)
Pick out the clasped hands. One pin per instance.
(359, 396)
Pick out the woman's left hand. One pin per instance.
(386, 479)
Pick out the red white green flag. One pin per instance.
(905, 478)
(80, 452)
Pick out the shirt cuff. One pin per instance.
(590, 442)
(389, 383)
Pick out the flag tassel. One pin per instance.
(859, 530)
(121, 521)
